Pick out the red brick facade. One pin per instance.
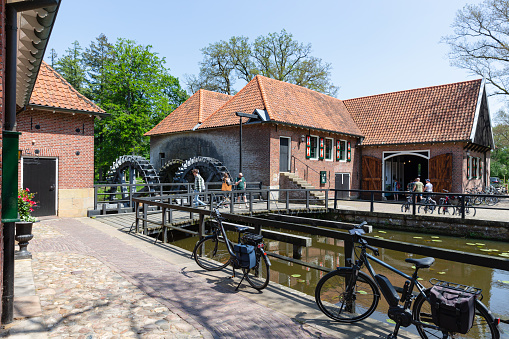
(57, 138)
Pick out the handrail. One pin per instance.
(306, 177)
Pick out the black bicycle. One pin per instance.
(427, 205)
(215, 252)
(348, 295)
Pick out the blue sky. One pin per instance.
(374, 46)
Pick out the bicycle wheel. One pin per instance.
(423, 208)
(340, 304)
(405, 207)
(469, 210)
(211, 254)
(259, 276)
(483, 326)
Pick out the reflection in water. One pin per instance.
(328, 252)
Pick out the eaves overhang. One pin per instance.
(67, 110)
(34, 29)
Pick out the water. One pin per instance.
(328, 252)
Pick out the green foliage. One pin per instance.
(130, 82)
(138, 91)
(500, 156)
(276, 56)
(25, 204)
(480, 42)
(71, 67)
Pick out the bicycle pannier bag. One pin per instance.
(451, 309)
(246, 255)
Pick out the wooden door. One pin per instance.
(371, 175)
(440, 172)
(39, 175)
(342, 182)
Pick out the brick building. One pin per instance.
(57, 143)
(440, 132)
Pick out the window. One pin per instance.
(328, 149)
(162, 157)
(340, 150)
(312, 147)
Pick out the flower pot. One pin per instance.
(23, 236)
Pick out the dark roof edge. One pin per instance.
(416, 143)
(68, 110)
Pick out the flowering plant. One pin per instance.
(25, 204)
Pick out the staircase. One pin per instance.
(298, 181)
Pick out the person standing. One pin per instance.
(396, 187)
(418, 188)
(226, 187)
(199, 186)
(240, 182)
(428, 187)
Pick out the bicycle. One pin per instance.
(348, 295)
(406, 205)
(427, 205)
(447, 204)
(215, 252)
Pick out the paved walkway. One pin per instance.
(90, 280)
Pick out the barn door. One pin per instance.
(371, 175)
(440, 172)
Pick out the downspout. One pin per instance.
(10, 150)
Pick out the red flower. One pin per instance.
(28, 190)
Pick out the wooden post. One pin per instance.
(137, 210)
(307, 199)
(95, 197)
(201, 226)
(287, 200)
(335, 200)
(145, 231)
(268, 199)
(462, 200)
(326, 199)
(251, 203)
(165, 235)
(372, 202)
(297, 252)
(414, 208)
(349, 253)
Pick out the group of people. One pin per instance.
(227, 184)
(413, 186)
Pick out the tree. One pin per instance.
(500, 156)
(71, 67)
(138, 92)
(276, 56)
(480, 42)
(95, 57)
(53, 57)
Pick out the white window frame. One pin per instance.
(345, 151)
(331, 155)
(317, 147)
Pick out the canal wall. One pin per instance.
(471, 228)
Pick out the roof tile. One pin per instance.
(53, 91)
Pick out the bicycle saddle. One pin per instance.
(241, 228)
(422, 262)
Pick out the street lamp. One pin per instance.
(242, 115)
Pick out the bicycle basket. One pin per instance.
(453, 305)
(252, 239)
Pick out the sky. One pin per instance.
(374, 47)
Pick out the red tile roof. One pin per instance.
(193, 111)
(286, 103)
(431, 114)
(51, 90)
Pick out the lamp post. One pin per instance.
(242, 115)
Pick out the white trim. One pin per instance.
(289, 153)
(325, 149)
(317, 148)
(478, 110)
(345, 154)
(406, 153)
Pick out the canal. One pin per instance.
(328, 252)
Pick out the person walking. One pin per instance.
(226, 187)
(240, 182)
(199, 186)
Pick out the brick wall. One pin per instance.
(460, 179)
(57, 138)
(309, 169)
(260, 152)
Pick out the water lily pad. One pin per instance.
(295, 275)
(420, 279)
(479, 244)
(390, 321)
(382, 232)
(301, 280)
(376, 236)
(413, 267)
(441, 272)
(435, 237)
(505, 255)
(417, 237)
(485, 249)
(436, 240)
(471, 244)
(362, 292)
(494, 250)
(504, 281)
